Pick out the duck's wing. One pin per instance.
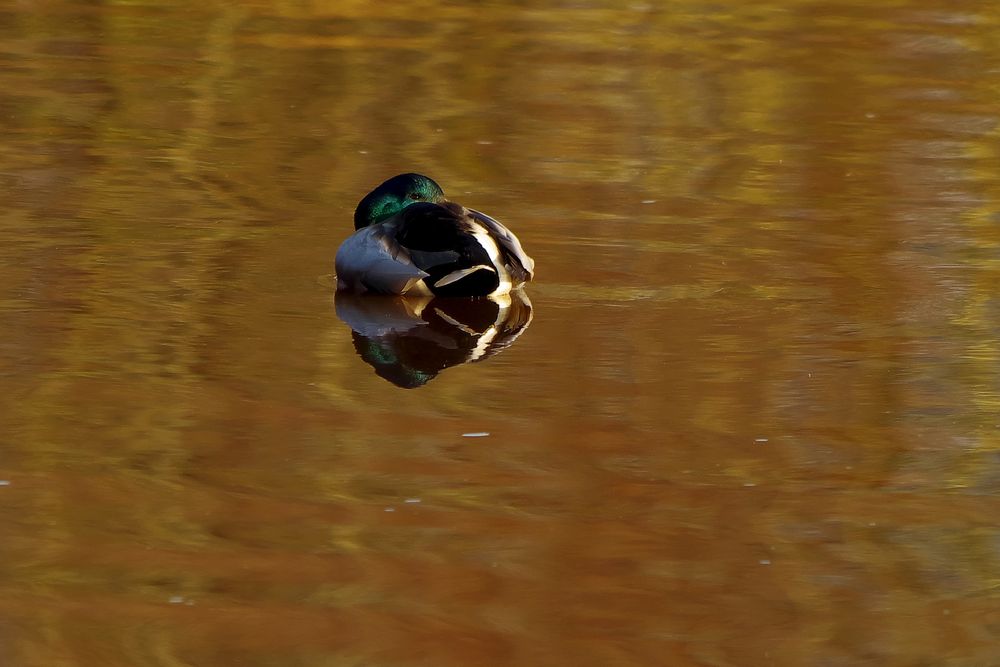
(447, 242)
(371, 260)
(520, 265)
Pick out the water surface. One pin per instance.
(753, 421)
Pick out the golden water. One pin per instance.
(753, 420)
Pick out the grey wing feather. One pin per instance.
(521, 262)
(371, 260)
(430, 258)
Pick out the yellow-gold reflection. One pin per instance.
(753, 421)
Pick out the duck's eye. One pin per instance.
(415, 197)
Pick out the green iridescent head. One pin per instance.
(393, 196)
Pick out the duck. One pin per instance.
(410, 240)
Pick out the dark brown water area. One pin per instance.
(747, 414)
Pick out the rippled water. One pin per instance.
(749, 415)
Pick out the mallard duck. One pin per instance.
(409, 239)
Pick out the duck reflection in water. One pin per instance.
(409, 340)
